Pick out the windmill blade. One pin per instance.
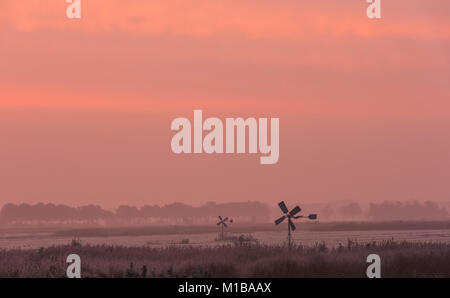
(225, 219)
(283, 207)
(231, 220)
(312, 216)
(294, 211)
(225, 225)
(219, 223)
(220, 217)
(280, 220)
(292, 225)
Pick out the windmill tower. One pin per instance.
(222, 224)
(291, 215)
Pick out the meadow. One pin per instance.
(239, 257)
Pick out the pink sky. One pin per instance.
(86, 105)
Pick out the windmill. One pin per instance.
(291, 215)
(222, 223)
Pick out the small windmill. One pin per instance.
(222, 223)
(291, 215)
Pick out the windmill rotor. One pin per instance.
(291, 224)
(223, 224)
(280, 220)
(290, 215)
(222, 221)
(283, 207)
(294, 211)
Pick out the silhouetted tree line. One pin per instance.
(51, 212)
(407, 211)
(385, 211)
(245, 211)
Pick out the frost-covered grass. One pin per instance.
(398, 259)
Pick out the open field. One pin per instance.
(321, 250)
(141, 230)
(398, 259)
(332, 234)
(331, 239)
